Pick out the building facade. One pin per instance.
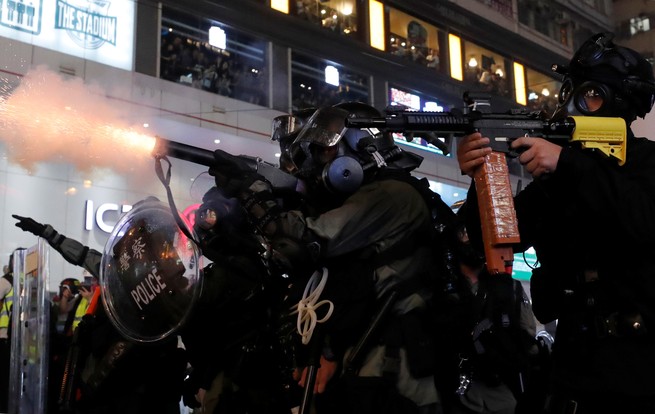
(214, 74)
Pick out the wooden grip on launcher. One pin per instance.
(497, 214)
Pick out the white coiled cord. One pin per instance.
(307, 306)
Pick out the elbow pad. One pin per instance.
(52, 236)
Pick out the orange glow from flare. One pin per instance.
(133, 140)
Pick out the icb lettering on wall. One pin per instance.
(98, 30)
(104, 217)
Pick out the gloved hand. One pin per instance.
(30, 225)
(189, 391)
(233, 175)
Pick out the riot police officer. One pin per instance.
(590, 221)
(369, 228)
(234, 338)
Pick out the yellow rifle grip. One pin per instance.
(605, 134)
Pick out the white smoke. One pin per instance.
(47, 118)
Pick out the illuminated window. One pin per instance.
(542, 91)
(223, 54)
(426, 141)
(639, 24)
(331, 75)
(317, 82)
(217, 37)
(280, 5)
(519, 84)
(455, 49)
(376, 24)
(413, 39)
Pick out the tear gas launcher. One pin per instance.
(280, 180)
(497, 214)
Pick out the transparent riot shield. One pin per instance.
(28, 382)
(149, 274)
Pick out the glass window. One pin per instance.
(228, 62)
(317, 82)
(413, 39)
(547, 17)
(337, 15)
(486, 70)
(542, 91)
(639, 24)
(405, 99)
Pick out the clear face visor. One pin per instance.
(325, 127)
(316, 142)
(285, 125)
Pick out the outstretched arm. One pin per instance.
(73, 251)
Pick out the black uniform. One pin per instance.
(592, 224)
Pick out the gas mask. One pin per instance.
(322, 158)
(588, 98)
(604, 79)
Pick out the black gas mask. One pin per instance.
(588, 98)
(322, 158)
(607, 80)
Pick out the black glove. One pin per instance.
(28, 224)
(233, 174)
(189, 391)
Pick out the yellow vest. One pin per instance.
(5, 312)
(80, 312)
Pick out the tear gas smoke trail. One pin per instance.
(48, 118)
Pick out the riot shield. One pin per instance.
(150, 273)
(28, 370)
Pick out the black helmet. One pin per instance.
(604, 79)
(221, 226)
